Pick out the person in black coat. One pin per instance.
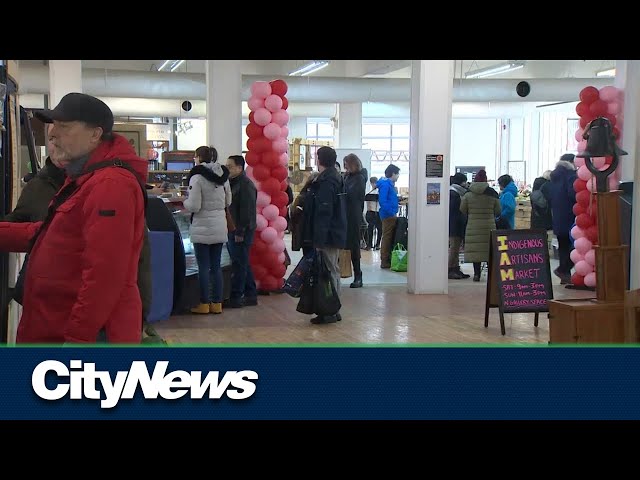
(457, 224)
(540, 206)
(355, 180)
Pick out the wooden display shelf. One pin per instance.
(586, 321)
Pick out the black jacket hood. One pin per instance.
(209, 174)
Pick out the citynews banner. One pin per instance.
(319, 382)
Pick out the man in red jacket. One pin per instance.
(81, 278)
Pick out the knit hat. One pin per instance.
(481, 176)
(568, 157)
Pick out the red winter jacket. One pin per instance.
(82, 271)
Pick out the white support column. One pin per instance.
(350, 125)
(628, 79)
(431, 104)
(65, 76)
(224, 107)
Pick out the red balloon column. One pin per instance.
(606, 102)
(268, 161)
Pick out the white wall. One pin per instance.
(193, 138)
(473, 143)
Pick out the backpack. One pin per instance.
(538, 200)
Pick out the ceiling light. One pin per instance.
(495, 70)
(610, 72)
(166, 62)
(310, 68)
(176, 64)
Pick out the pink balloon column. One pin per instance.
(594, 103)
(268, 161)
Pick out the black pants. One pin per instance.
(373, 219)
(477, 268)
(355, 259)
(564, 252)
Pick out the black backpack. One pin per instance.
(539, 201)
(63, 195)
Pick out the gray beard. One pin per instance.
(75, 167)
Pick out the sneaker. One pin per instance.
(215, 308)
(201, 308)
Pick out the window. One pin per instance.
(389, 142)
(321, 130)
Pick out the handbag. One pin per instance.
(294, 284)
(325, 295)
(231, 226)
(399, 258)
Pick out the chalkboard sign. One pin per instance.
(519, 273)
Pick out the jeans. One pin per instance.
(374, 222)
(242, 282)
(209, 271)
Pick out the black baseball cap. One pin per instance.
(79, 107)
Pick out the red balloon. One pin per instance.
(271, 261)
(271, 159)
(584, 121)
(283, 186)
(584, 221)
(283, 211)
(579, 185)
(259, 271)
(254, 130)
(259, 144)
(252, 158)
(261, 173)
(609, 160)
(577, 280)
(279, 87)
(280, 199)
(592, 234)
(269, 283)
(598, 108)
(279, 271)
(611, 118)
(578, 209)
(285, 103)
(616, 133)
(589, 95)
(582, 109)
(251, 118)
(280, 173)
(583, 198)
(270, 186)
(259, 246)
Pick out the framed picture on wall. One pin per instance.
(133, 138)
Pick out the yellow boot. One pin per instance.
(202, 308)
(215, 307)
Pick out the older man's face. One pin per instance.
(72, 140)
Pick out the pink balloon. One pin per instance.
(269, 234)
(613, 108)
(579, 133)
(270, 212)
(279, 223)
(262, 223)
(582, 145)
(281, 234)
(284, 159)
(576, 256)
(255, 103)
(263, 199)
(583, 268)
(609, 93)
(280, 145)
(259, 208)
(614, 183)
(598, 161)
(281, 117)
(590, 279)
(262, 116)
(249, 170)
(583, 245)
(272, 131)
(591, 185)
(281, 257)
(261, 89)
(590, 257)
(584, 173)
(277, 246)
(577, 232)
(284, 131)
(579, 161)
(273, 103)
(256, 183)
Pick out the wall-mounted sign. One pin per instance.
(158, 132)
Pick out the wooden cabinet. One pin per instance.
(586, 321)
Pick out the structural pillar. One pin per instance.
(350, 125)
(431, 104)
(224, 107)
(65, 76)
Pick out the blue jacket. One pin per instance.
(508, 203)
(388, 198)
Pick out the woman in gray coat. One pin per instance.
(209, 196)
(481, 206)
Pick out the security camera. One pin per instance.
(523, 89)
(187, 106)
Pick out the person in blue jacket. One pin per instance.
(388, 200)
(508, 194)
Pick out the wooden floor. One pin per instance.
(371, 315)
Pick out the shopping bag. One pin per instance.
(293, 285)
(326, 299)
(399, 258)
(345, 264)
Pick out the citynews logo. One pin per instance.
(83, 380)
